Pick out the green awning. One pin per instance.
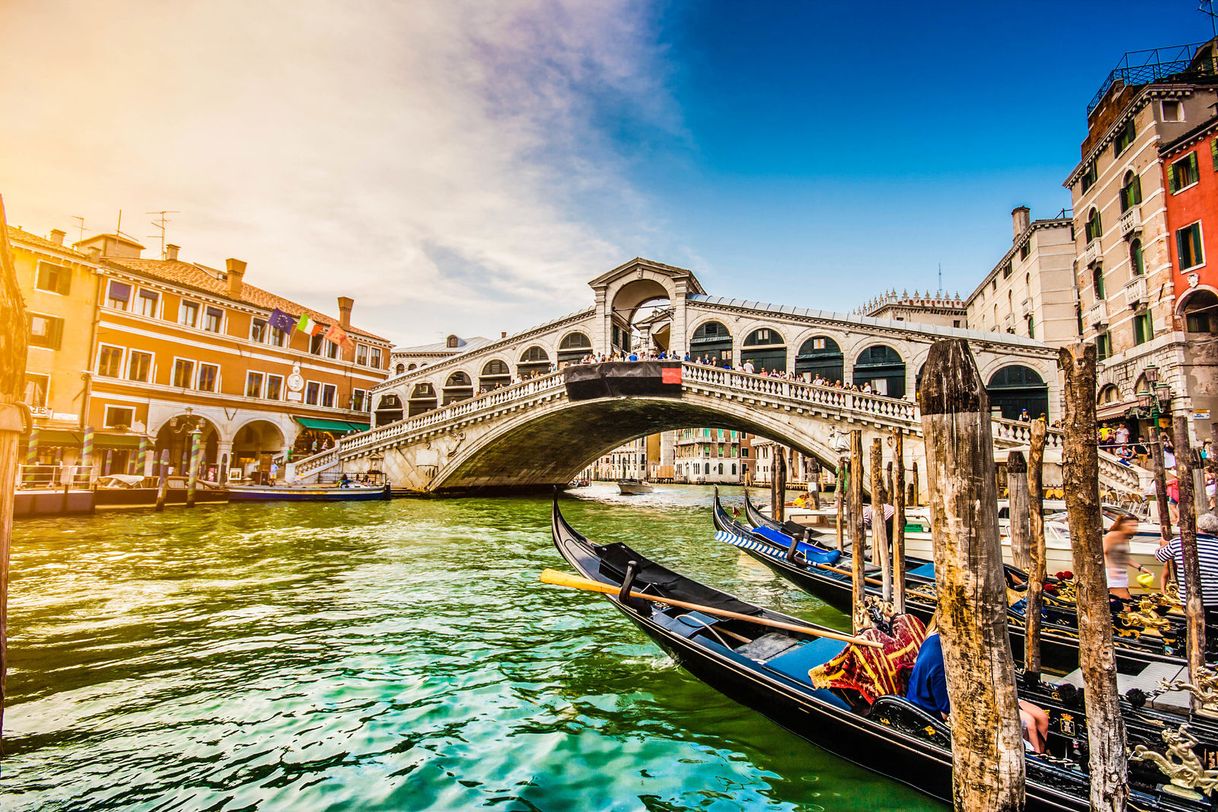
(101, 440)
(322, 424)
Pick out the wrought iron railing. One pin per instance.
(1154, 65)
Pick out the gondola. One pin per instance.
(767, 670)
(1059, 640)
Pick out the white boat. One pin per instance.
(633, 487)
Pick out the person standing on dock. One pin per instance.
(273, 473)
(1207, 556)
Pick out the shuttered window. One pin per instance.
(45, 331)
(1183, 173)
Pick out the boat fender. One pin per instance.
(1067, 691)
(1137, 697)
(623, 595)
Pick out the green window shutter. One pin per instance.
(1172, 182)
(1214, 152)
(1192, 164)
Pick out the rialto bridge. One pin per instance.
(499, 416)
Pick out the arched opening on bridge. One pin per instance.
(422, 399)
(820, 355)
(1015, 388)
(388, 410)
(494, 375)
(766, 348)
(882, 367)
(175, 436)
(399, 369)
(412, 366)
(633, 309)
(533, 361)
(711, 341)
(458, 387)
(256, 444)
(573, 347)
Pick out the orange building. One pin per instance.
(160, 348)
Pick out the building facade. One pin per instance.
(708, 456)
(920, 308)
(1120, 190)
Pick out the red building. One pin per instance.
(1190, 179)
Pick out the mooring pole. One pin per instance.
(778, 485)
(1017, 509)
(839, 499)
(898, 525)
(13, 349)
(1036, 551)
(987, 749)
(192, 478)
(879, 530)
(1194, 608)
(162, 480)
(858, 537)
(915, 497)
(1081, 483)
(1156, 455)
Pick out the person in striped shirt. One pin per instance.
(1207, 556)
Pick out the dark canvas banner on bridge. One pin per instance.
(624, 379)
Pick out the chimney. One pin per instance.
(1021, 218)
(345, 303)
(57, 236)
(171, 252)
(503, 333)
(236, 275)
(94, 253)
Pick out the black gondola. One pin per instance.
(769, 673)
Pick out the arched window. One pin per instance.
(1131, 191)
(1094, 227)
(412, 366)
(388, 410)
(399, 369)
(820, 355)
(452, 342)
(1108, 394)
(766, 348)
(533, 361)
(458, 387)
(422, 399)
(711, 340)
(494, 375)
(1200, 310)
(1015, 388)
(1097, 283)
(882, 367)
(1137, 263)
(573, 347)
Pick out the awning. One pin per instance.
(322, 424)
(52, 437)
(102, 440)
(1112, 411)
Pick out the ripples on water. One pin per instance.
(396, 656)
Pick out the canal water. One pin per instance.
(382, 656)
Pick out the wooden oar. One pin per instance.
(840, 571)
(549, 576)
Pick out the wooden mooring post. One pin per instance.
(778, 484)
(1194, 609)
(192, 476)
(879, 530)
(162, 480)
(987, 748)
(13, 349)
(898, 524)
(1156, 456)
(1036, 551)
(1017, 509)
(839, 498)
(858, 537)
(1081, 482)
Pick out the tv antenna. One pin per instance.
(1206, 7)
(80, 222)
(161, 224)
(940, 277)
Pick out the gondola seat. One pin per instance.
(926, 570)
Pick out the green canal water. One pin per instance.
(382, 656)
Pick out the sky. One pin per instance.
(467, 167)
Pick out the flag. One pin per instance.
(308, 326)
(338, 335)
(281, 321)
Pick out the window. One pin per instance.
(183, 373)
(109, 361)
(139, 366)
(359, 400)
(1097, 283)
(361, 355)
(1137, 263)
(312, 393)
(45, 331)
(253, 384)
(274, 387)
(1031, 328)
(1214, 153)
(118, 417)
(1124, 138)
(1172, 110)
(331, 349)
(1094, 227)
(258, 331)
(278, 337)
(188, 314)
(316, 342)
(1103, 346)
(213, 319)
(146, 303)
(1143, 330)
(1131, 191)
(1006, 270)
(37, 388)
(53, 278)
(1188, 246)
(329, 393)
(1183, 173)
(209, 377)
(374, 357)
(1025, 249)
(118, 294)
(1089, 176)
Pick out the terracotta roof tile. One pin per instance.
(15, 233)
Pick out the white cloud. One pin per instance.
(431, 159)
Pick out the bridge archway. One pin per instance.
(711, 340)
(766, 348)
(882, 367)
(820, 355)
(254, 446)
(388, 410)
(457, 387)
(573, 347)
(495, 373)
(1016, 387)
(422, 399)
(533, 361)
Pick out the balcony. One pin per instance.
(1135, 292)
(1097, 316)
(1092, 253)
(1130, 222)
(1025, 308)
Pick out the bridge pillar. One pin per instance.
(602, 336)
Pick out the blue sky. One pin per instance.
(466, 167)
